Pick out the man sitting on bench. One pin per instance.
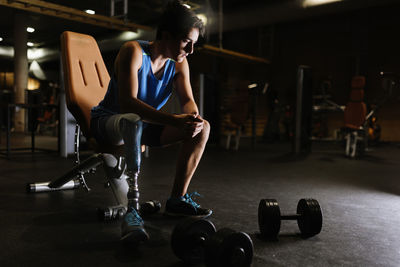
(143, 78)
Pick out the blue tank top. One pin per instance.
(154, 92)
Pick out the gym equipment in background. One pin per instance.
(303, 114)
(354, 118)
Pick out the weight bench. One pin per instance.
(86, 80)
(354, 118)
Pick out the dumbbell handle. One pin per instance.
(290, 217)
(200, 240)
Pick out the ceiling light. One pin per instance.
(253, 85)
(1, 39)
(30, 29)
(40, 54)
(188, 6)
(6, 51)
(128, 36)
(37, 71)
(203, 18)
(91, 12)
(30, 44)
(308, 3)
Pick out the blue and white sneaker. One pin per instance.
(186, 206)
(132, 228)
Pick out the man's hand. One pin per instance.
(191, 124)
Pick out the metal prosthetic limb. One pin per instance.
(115, 168)
(132, 227)
(132, 134)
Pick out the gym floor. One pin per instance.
(359, 199)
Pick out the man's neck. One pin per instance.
(158, 58)
(158, 53)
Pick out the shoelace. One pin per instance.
(132, 218)
(188, 199)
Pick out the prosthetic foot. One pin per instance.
(132, 228)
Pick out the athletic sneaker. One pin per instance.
(132, 228)
(185, 206)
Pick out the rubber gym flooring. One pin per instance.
(360, 200)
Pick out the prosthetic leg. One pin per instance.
(132, 228)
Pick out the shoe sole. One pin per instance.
(180, 215)
(135, 238)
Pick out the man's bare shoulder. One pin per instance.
(182, 67)
(130, 54)
(131, 47)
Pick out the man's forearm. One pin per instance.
(190, 107)
(148, 113)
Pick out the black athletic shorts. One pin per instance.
(151, 135)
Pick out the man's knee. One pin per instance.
(206, 130)
(131, 117)
(130, 124)
(114, 126)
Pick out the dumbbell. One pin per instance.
(196, 241)
(308, 216)
(117, 212)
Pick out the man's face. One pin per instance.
(185, 46)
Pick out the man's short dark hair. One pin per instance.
(178, 20)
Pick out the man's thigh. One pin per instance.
(171, 135)
(160, 135)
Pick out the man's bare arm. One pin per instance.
(184, 89)
(186, 99)
(128, 63)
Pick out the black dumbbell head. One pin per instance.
(310, 220)
(149, 207)
(269, 218)
(111, 213)
(229, 248)
(188, 239)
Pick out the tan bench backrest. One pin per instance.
(356, 110)
(85, 76)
